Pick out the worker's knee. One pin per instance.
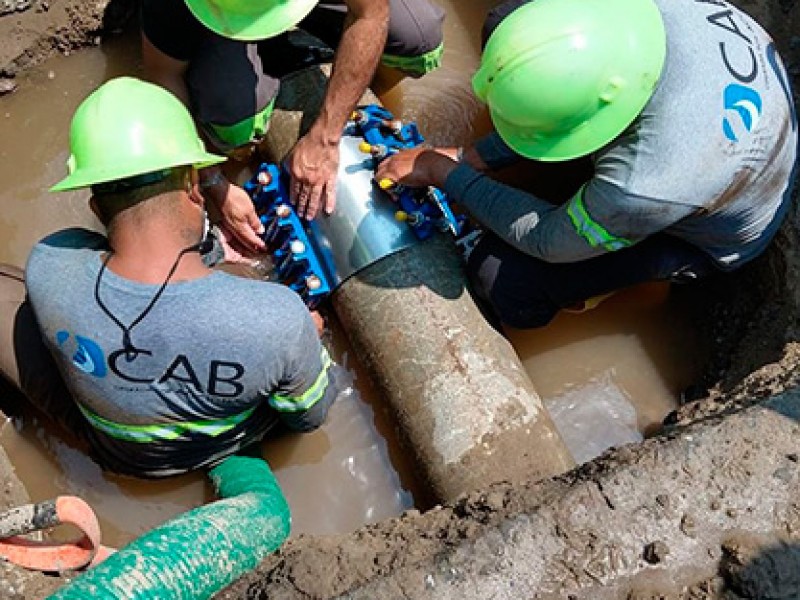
(246, 133)
(415, 40)
(497, 284)
(231, 96)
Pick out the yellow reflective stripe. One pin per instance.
(417, 65)
(308, 398)
(591, 230)
(246, 131)
(170, 431)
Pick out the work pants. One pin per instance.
(525, 292)
(233, 84)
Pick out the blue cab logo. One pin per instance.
(742, 111)
(87, 355)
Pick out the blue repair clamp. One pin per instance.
(426, 210)
(295, 262)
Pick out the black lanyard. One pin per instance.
(131, 351)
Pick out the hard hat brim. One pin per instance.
(88, 177)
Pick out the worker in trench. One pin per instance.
(130, 340)
(683, 108)
(224, 59)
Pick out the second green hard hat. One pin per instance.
(562, 78)
(129, 127)
(250, 20)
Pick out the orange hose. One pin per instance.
(85, 551)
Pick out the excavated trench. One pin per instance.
(708, 508)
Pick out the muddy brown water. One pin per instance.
(633, 349)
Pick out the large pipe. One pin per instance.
(463, 403)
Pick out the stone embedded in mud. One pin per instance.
(7, 86)
(656, 552)
(688, 526)
(9, 6)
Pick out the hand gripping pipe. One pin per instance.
(201, 551)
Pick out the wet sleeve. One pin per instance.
(600, 218)
(171, 28)
(306, 391)
(495, 153)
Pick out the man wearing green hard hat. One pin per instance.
(224, 59)
(160, 363)
(681, 110)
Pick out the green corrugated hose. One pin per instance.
(201, 551)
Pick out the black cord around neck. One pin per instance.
(131, 351)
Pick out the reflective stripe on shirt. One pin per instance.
(163, 431)
(308, 398)
(590, 230)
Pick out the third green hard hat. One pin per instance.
(129, 127)
(562, 78)
(250, 20)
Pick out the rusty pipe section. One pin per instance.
(464, 405)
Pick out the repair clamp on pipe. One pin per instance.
(370, 222)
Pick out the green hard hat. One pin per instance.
(129, 127)
(562, 78)
(250, 20)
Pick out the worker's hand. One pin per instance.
(237, 214)
(232, 249)
(416, 167)
(319, 322)
(313, 165)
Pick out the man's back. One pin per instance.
(719, 136)
(207, 359)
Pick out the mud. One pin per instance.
(706, 509)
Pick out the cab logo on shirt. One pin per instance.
(742, 104)
(216, 377)
(742, 111)
(87, 357)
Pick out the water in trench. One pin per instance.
(630, 352)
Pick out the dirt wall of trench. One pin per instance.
(623, 526)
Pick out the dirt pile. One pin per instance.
(33, 30)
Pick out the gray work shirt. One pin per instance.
(708, 160)
(219, 360)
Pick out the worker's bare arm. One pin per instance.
(314, 161)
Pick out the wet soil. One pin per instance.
(751, 319)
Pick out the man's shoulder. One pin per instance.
(61, 256)
(256, 293)
(258, 287)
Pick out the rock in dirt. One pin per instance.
(7, 85)
(9, 6)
